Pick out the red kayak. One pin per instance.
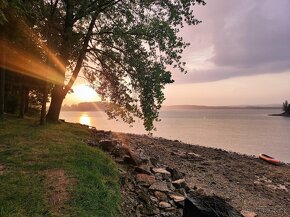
(269, 159)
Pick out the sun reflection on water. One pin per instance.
(85, 119)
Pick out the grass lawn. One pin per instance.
(49, 171)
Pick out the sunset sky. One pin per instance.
(239, 55)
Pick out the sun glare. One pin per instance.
(85, 93)
(85, 119)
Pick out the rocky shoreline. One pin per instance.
(157, 175)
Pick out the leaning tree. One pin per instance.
(123, 47)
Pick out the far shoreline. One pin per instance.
(281, 115)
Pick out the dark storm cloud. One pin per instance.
(247, 38)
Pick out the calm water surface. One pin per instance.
(248, 131)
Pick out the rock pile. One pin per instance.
(152, 189)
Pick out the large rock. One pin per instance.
(108, 145)
(165, 174)
(181, 191)
(133, 159)
(143, 169)
(144, 179)
(120, 151)
(175, 174)
(160, 186)
(93, 144)
(177, 197)
(205, 206)
(160, 195)
(180, 183)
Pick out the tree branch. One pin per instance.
(82, 54)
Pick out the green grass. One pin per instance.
(28, 150)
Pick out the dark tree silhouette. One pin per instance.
(286, 107)
(122, 47)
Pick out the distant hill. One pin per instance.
(101, 106)
(221, 107)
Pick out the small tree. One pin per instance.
(286, 107)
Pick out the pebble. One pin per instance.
(164, 205)
(177, 197)
(248, 213)
(180, 183)
(161, 170)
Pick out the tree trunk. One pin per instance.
(43, 105)
(2, 84)
(58, 92)
(22, 101)
(26, 100)
(57, 97)
(2, 90)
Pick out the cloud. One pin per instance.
(237, 38)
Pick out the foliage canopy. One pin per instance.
(286, 107)
(123, 47)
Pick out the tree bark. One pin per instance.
(43, 105)
(2, 84)
(57, 97)
(59, 92)
(2, 90)
(22, 101)
(26, 100)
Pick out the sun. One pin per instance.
(85, 93)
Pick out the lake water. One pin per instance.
(247, 131)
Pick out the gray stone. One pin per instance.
(132, 159)
(147, 210)
(143, 169)
(175, 174)
(160, 195)
(153, 199)
(154, 161)
(93, 144)
(200, 191)
(208, 206)
(160, 186)
(108, 145)
(144, 179)
(165, 173)
(192, 154)
(164, 205)
(159, 176)
(180, 183)
(177, 197)
(248, 213)
(120, 151)
(181, 191)
(170, 186)
(161, 170)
